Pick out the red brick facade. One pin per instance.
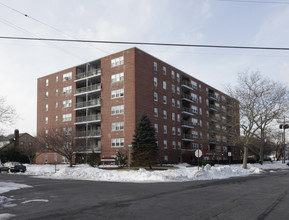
(110, 94)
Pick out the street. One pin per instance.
(263, 196)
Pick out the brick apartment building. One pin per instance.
(101, 102)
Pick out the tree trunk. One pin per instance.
(245, 156)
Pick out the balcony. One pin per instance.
(213, 107)
(212, 96)
(86, 119)
(189, 137)
(88, 134)
(188, 124)
(189, 98)
(189, 111)
(91, 103)
(94, 72)
(92, 88)
(188, 85)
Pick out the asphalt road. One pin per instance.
(262, 196)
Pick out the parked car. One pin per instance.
(288, 163)
(3, 168)
(15, 167)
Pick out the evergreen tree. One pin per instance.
(145, 149)
(120, 159)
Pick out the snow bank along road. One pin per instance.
(262, 196)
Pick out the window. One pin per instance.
(117, 61)
(45, 159)
(67, 90)
(165, 129)
(155, 66)
(155, 96)
(195, 134)
(179, 132)
(117, 77)
(178, 90)
(46, 133)
(46, 107)
(178, 77)
(117, 142)
(179, 117)
(165, 144)
(155, 81)
(67, 131)
(173, 74)
(66, 103)
(56, 117)
(164, 70)
(56, 91)
(166, 158)
(174, 145)
(117, 110)
(173, 131)
(66, 117)
(173, 103)
(118, 93)
(67, 76)
(178, 104)
(173, 116)
(56, 78)
(46, 82)
(173, 88)
(156, 128)
(195, 121)
(156, 112)
(165, 99)
(194, 97)
(164, 85)
(46, 120)
(117, 126)
(165, 114)
(194, 109)
(46, 94)
(195, 146)
(179, 145)
(56, 104)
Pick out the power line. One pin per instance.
(43, 23)
(148, 43)
(259, 2)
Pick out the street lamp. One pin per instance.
(284, 126)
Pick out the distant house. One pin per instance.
(16, 142)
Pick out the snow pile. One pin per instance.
(6, 202)
(8, 186)
(181, 173)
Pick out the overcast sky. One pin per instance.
(215, 22)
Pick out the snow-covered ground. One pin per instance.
(84, 172)
(7, 202)
(184, 173)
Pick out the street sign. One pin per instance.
(55, 157)
(130, 146)
(198, 153)
(229, 154)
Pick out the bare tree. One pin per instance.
(30, 149)
(261, 102)
(7, 112)
(61, 142)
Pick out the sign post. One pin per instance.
(55, 160)
(198, 154)
(229, 155)
(129, 148)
